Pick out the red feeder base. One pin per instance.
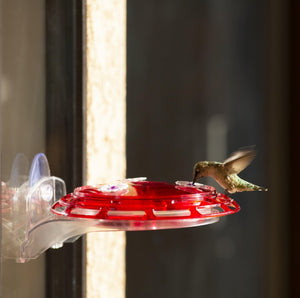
(136, 204)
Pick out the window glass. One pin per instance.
(23, 125)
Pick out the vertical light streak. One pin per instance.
(105, 128)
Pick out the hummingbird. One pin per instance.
(226, 173)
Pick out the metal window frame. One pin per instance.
(294, 163)
(65, 267)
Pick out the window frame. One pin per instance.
(65, 267)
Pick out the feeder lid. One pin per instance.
(137, 204)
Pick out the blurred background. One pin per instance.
(205, 78)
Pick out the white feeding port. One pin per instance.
(137, 179)
(114, 187)
(171, 213)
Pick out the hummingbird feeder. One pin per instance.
(138, 204)
(39, 214)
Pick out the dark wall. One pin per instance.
(198, 88)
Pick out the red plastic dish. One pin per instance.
(139, 204)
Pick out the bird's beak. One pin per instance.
(194, 179)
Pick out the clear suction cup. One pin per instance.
(19, 171)
(27, 205)
(39, 169)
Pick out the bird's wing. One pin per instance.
(239, 160)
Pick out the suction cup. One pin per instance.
(39, 169)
